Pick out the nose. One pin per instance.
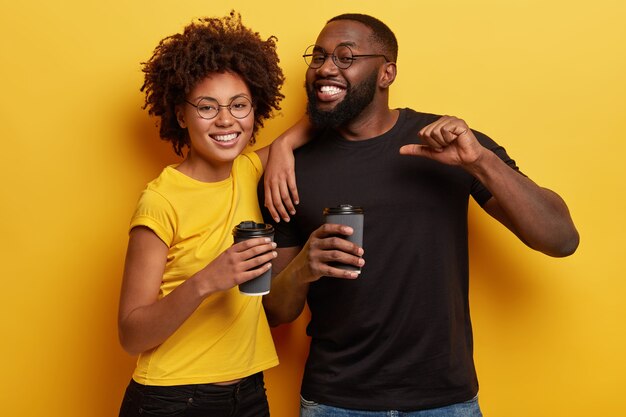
(328, 67)
(224, 118)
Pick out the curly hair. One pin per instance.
(206, 46)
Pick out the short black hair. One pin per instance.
(206, 46)
(380, 32)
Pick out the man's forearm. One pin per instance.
(538, 216)
(287, 297)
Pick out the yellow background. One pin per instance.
(547, 79)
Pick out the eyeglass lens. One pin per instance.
(239, 107)
(315, 57)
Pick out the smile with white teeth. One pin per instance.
(225, 138)
(330, 90)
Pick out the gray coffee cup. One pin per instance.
(349, 216)
(249, 230)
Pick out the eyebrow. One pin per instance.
(345, 43)
(230, 99)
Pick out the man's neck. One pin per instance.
(370, 124)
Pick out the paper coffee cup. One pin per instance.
(352, 216)
(249, 230)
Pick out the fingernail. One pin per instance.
(274, 244)
(268, 240)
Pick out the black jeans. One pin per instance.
(244, 399)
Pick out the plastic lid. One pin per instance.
(251, 228)
(343, 209)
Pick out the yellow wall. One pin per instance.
(545, 78)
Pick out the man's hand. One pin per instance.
(295, 269)
(281, 192)
(448, 140)
(325, 247)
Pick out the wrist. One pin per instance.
(283, 141)
(200, 286)
(481, 165)
(301, 274)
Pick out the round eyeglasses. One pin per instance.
(342, 56)
(208, 108)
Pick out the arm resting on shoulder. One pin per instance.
(281, 191)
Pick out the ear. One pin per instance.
(180, 117)
(387, 74)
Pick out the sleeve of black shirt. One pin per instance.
(480, 193)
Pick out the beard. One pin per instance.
(356, 100)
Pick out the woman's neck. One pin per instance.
(206, 171)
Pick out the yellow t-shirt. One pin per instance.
(227, 337)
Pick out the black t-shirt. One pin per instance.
(398, 337)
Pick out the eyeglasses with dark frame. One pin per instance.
(208, 108)
(342, 56)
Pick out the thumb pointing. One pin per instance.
(412, 149)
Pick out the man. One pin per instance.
(398, 335)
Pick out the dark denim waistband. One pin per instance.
(254, 379)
